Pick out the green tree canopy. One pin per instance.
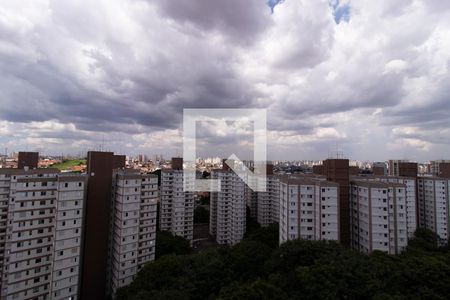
(299, 269)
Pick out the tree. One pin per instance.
(201, 215)
(423, 240)
(266, 235)
(167, 243)
(257, 268)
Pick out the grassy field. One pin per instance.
(65, 165)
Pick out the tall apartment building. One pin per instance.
(412, 209)
(268, 202)
(28, 159)
(252, 201)
(228, 208)
(338, 170)
(309, 209)
(41, 228)
(434, 198)
(264, 206)
(403, 168)
(379, 169)
(100, 166)
(176, 206)
(378, 216)
(440, 168)
(133, 230)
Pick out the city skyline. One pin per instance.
(370, 77)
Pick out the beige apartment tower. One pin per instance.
(176, 207)
(309, 209)
(41, 229)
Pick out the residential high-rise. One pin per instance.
(268, 202)
(378, 216)
(411, 197)
(434, 199)
(41, 229)
(176, 206)
(309, 209)
(28, 159)
(337, 170)
(379, 169)
(228, 208)
(403, 168)
(440, 168)
(100, 166)
(133, 230)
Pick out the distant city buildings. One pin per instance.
(309, 209)
(440, 168)
(379, 168)
(403, 168)
(177, 207)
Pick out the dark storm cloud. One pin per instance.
(125, 68)
(242, 21)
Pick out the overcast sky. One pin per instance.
(369, 77)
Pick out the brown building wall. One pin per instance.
(379, 171)
(119, 161)
(407, 169)
(319, 169)
(28, 159)
(177, 163)
(337, 170)
(269, 169)
(97, 219)
(353, 170)
(444, 170)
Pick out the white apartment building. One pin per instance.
(228, 208)
(41, 227)
(268, 203)
(309, 209)
(177, 206)
(378, 216)
(411, 197)
(133, 225)
(434, 198)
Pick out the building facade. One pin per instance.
(133, 230)
(42, 223)
(403, 168)
(412, 210)
(434, 198)
(309, 209)
(378, 216)
(268, 202)
(176, 206)
(440, 168)
(228, 208)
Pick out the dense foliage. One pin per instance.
(258, 269)
(167, 243)
(201, 215)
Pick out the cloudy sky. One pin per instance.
(369, 77)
